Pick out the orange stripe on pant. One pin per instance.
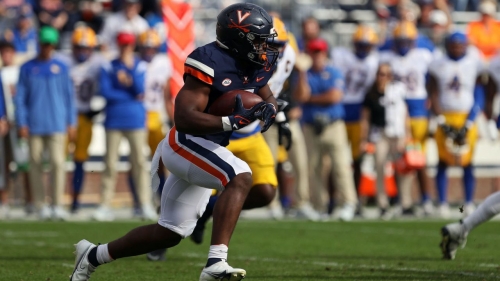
(193, 158)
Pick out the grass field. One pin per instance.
(268, 250)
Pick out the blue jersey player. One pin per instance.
(194, 150)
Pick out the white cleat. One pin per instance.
(149, 213)
(58, 213)
(45, 213)
(276, 213)
(347, 212)
(428, 208)
(306, 211)
(444, 211)
(222, 271)
(453, 237)
(83, 268)
(103, 213)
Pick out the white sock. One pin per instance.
(485, 211)
(218, 252)
(103, 254)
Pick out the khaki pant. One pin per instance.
(300, 163)
(332, 142)
(271, 136)
(137, 158)
(386, 150)
(56, 145)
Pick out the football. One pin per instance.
(224, 105)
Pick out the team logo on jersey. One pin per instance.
(245, 79)
(226, 82)
(55, 68)
(242, 17)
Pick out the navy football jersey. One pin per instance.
(214, 66)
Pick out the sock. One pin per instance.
(469, 183)
(442, 182)
(99, 255)
(286, 202)
(208, 213)
(133, 191)
(78, 175)
(425, 197)
(216, 254)
(485, 211)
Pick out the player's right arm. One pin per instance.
(432, 89)
(190, 103)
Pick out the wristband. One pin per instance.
(280, 117)
(226, 124)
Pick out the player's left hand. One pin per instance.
(71, 133)
(268, 113)
(285, 132)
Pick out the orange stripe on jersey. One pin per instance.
(193, 158)
(198, 74)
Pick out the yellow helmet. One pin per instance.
(365, 34)
(84, 36)
(149, 38)
(405, 30)
(280, 28)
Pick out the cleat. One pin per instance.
(157, 255)
(222, 271)
(453, 237)
(83, 268)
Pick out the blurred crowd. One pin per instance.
(360, 115)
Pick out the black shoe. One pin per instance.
(157, 255)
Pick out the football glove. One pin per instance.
(461, 135)
(242, 117)
(284, 132)
(91, 113)
(448, 130)
(268, 113)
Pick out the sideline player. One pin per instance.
(359, 68)
(84, 67)
(410, 66)
(457, 97)
(194, 151)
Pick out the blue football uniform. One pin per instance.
(215, 67)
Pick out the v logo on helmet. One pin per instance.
(242, 17)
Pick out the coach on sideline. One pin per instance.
(45, 112)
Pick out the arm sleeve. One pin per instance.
(21, 100)
(108, 91)
(478, 103)
(70, 100)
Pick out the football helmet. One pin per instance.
(245, 29)
(456, 45)
(364, 38)
(84, 36)
(404, 34)
(149, 39)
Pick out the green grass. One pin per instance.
(268, 250)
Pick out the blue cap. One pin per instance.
(457, 37)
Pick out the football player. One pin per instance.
(457, 97)
(84, 67)
(410, 66)
(359, 68)
(249, 145)
(156, 100)
(194, 150)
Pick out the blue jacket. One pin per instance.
(45, 99)
(320, 82)
(124, 108)
(2, 100)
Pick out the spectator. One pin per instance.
(310, 31)
(52, 14)
(464, 5)
(90, 13)
(485, 34)
(15, 150)
(4, 207)
(127, 20)
(320, 90)
(385, 123)
(23, 35)
(155, 21)
(439, 24)
(46, 114)
(122, 85)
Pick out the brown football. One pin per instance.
(224, 105)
